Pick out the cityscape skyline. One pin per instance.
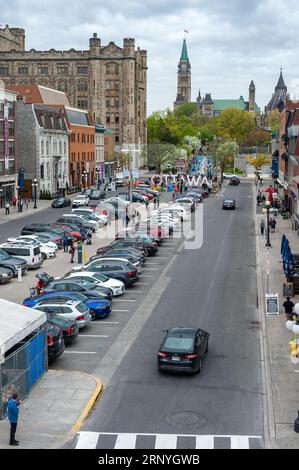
(234, 44)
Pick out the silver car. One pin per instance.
(72, 310)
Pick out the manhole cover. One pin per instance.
(187, 418)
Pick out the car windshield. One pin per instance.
(59, 200)
(100, 277)
(86, 284)
(59, 231)
(80, 197)
(177, 344)
(3, 255)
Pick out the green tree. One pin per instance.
(225, 154)
(186, 109)
(160, 155)
(235, 124)
(260, 160)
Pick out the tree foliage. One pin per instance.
(225, 154)
(235, 124)
(258, 161)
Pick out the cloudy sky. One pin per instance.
(230, 42)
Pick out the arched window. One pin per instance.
(60, 148)
(42, 148)
(47, 148)
(64, 148)
(55, 147)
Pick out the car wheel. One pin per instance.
(44, 256)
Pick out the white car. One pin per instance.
(179, 212)
(39, 238)
(46, 251)
(95, 216)
(81, 200)
(117, 287)
(71, 310)
(119, 200)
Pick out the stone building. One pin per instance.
(43, 146)
(109, 81)
(280, 94)
(8, 159)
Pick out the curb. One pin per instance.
(87, 409)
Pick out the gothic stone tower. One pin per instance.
(184, 78)
(252, 97)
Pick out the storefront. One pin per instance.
(7, 190)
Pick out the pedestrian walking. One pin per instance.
(127, 217)
(273, 225)
(7, 206)
(83, 233)
(21, 205)
(65, 243)
(262, 225)
(13, 416)
(138, 220)
(89, 236)
(72, 251)
(289, 308)
(14, 201)
(258, 199)
(263, 199)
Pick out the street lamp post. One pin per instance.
(268, 244)
(18, 196)
(84, 175)
(34, 187)
(98, 172)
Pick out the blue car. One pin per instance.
(98, 308)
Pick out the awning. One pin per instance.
(17, 322)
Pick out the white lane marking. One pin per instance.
(106, 322)
(166, 441)
(124, 300)
(93, 336)
(79, 352)
(87, 440)
(119, 311)
(152, 269)
(137, 291)
(125, 441)
(204, 442)
(143, 283)
(146, 277)
(239, 442)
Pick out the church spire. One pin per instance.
(184, 54)
(280, 84)
(184, 77)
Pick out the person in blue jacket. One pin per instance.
(13, 415)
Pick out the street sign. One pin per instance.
(272, 304)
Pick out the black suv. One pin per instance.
(12, 262)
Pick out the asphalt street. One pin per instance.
(214, 288)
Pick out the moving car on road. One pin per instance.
(183, 350)
(229, 204)
(81, 200)
(61, 202)
(235, 181)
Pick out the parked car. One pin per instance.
(6, 274)
(129, 258)
(81, 200)
(141, 192)
(198, 198)
(99, 308)
(186, 200)
(127, 252)
(31, 254)
(88, 288)
(13, 263)
(71, 310)
(136, 197)
(98, 222)
(33, 229)
(122, 270)
(107, 209)
(86, 191)
(69, 328)
(75, 233)
(61, 202)
(117, 287)
(47, 250)
(43, 237)
(150, 244)
(100, 218)
(97, 194)
(229, 204)
(180, 212)
(183, 350)
(124, 243)
(55, 341)
(76, 220)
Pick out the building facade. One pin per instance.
(184, 78)
(8, 152)
(280, 94)
(109, 81)
(43, 146)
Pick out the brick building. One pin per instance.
(8, 159)
(110, 81)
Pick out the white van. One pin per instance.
(30, 253)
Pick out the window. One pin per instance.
(62, 69)
(108, 119)
(42, 172)
(11, 129)
(64, 148)
(23, 70)
(60, 148)
(116, 119)
(82, 102)
(42, 148)
(42, 70)
(116, 102)
(82, 69)
(82, 86)
(4, 70)
(11, 149)
(63, 86)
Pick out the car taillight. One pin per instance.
(190, 356)
(161, 354)
(50, 339)
(81, 317)
(70, 330)
(131, 273)
(58, 240)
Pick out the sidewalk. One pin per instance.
(281, 370)
(15, 215)
(52, 413)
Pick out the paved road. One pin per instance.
(215, 288)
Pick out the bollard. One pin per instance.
(296, 423)
(19, 274)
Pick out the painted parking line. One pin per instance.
(146, 277)
(143, 283)
(152, 269)
(79, 352)
(106, 322)
(119, 311)
(125, 300)
(93, 336)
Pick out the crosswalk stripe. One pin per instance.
(166, 441)
(125, 441)
(90, 440)
(204, 442)
(87, 440)
(239, 442)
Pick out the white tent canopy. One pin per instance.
(17, 322)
